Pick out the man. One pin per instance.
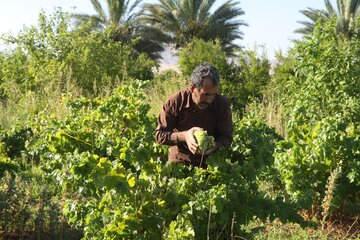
(198, 107)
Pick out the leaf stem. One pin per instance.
(202, 157)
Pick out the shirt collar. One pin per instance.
(189, 103)
(188, 99)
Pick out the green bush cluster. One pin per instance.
(49, 59)
(319, 159)
(31, 202)
(91, 157)
(116, 184)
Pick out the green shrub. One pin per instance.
(42, 62)
(162, 86)
(30, 199)
(199, 51)
(248, 79)
(116, 182)
(319, 160)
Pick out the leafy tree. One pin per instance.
(346, 15)
(184, 20)
(50, 57)
(247, 79)
(199, 51)
(123, 20)
(255, 68)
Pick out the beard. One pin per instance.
(203, 105)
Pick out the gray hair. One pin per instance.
(202, 71)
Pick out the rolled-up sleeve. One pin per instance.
(166, 123)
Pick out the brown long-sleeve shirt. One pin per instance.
(178, 114)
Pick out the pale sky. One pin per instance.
(271, 22)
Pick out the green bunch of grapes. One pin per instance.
(203, 140)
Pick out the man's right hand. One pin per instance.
(188, 137)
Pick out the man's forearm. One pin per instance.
(178, 137)
(170, 138)
(164, 137)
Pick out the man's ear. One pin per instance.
(192, 88)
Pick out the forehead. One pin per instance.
(208, 86)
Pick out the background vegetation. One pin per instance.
(79, 105)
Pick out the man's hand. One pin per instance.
(188, 137)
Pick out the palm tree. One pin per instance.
(182, 20)
(346, 14)
(122, 16)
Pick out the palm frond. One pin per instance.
(185, 19)
(126, 23)
(131, 15)
(115, 8)
(330, 9)
(99, 10)
(204, 9)
(347, 13)
(96, 22)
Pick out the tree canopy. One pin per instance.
(184, 20)
(346, 15)
(123, 17)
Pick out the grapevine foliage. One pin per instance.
(116, 184)
(99, 165)
(203, 140)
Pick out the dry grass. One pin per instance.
(284, 231)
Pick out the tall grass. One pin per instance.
(162, 86)
(271, 112)
(49, 97)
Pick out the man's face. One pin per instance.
(204, 96)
